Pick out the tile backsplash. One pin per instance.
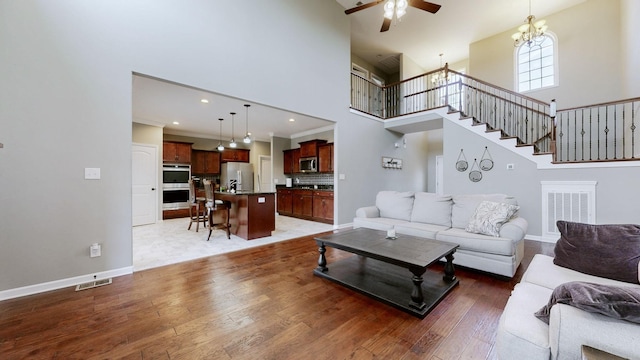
(313, 179)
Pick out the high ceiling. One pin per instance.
(422, 36)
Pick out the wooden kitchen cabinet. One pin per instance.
(325, 158)
(302, 203)
(310, 148)
(285, 201)
(238, 155)
(176, 152)
(291, 161)
(323, 206)
(205, 162)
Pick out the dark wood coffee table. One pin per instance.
(381, 269)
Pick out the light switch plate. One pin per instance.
(92, 173)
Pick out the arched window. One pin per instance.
(536, 64)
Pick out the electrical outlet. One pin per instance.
(92, 173)
(511, 166)
(95, 250)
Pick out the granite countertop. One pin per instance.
(307, 187)
(246, 192)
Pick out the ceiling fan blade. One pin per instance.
(386, 23)
(426, 6)
(362, 7)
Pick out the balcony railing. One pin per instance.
(602, 132)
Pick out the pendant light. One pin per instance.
(232, 144)
(247, 137)
(220, 147)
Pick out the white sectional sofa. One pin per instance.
(523, 336)
(587, 294)
(447, 218)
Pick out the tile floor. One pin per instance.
(169, 241)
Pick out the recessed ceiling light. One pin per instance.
(204, 101)
(176, 123)
(292, 120)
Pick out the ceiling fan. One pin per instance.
(397, 8)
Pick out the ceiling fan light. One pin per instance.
(400, 13)
(523, 28)
(402, 5)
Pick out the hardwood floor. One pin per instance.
(260, 303)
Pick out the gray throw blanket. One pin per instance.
(619, 302)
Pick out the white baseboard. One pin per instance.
(541, 238)
(62, 283)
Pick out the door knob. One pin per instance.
(153, 189)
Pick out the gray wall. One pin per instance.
(617, 196)
(83, 116)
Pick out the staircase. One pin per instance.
(534, 129)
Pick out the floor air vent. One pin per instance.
(93, 284)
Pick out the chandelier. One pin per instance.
(530, 33)
(443, 76)
(399, 7)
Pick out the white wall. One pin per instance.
(65, 84)
(630, 27)
(589, 53)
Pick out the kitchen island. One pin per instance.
(252, 215)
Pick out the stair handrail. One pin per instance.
(530, 121)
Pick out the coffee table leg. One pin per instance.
(449, 270)
(417, 300)
(322, 260)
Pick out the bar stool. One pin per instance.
(197, 203)
(217, 209)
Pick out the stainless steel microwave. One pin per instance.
(309, 164)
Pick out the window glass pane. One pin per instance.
(535, 74)
(524, 77)
(523, 67)
(535, 53)
(547, 51)
(535, 83)
(547, 81)
(524, 86)
(547, 71)
(535, 65)
(547, 61)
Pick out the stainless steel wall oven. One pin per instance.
(175, 186)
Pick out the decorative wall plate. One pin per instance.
(475, 175)
(486, 163)
(461, 163)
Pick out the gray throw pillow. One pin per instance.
(619, 302)
(609, 251)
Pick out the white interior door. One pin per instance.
(144, 169)
(264, 174)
